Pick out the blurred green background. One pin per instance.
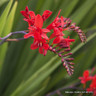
(25, 72)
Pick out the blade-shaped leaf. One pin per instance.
(3, 17)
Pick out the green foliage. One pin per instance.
(6, 27)
(2, 2)
(25, 72)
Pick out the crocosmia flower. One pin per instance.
(54, 32)
(92, 87)
(85, 77)
(41, 44)
(65, 43)
(37, 28)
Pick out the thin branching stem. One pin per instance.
(4, 39)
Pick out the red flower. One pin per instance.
(59, 23)
(29, 16)
(46, 14)
(55, 23)
(25, 13)
(85, 77)
(63, 23)
(65, 42)
(58, 34)
(37, 28)
(31, 19)
(92, 87)
(41, 43)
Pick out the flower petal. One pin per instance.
(46, 46)
(57, 31)
(38, 21)
(45, 30)
(34, 46)
(46, 14)
(25, 13)
(57, 40)
(58, 13)
(45, 52)
(52, 36)
(28, 35)
(62, 21)
(26, 9)
(44, 36)
(50, 27)
(69, 40)
(32, 14)
(86, 73)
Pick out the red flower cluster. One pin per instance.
(39, 34)
(60, 45)
(86, 77)
(35, 29)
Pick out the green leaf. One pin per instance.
(3, 17)
(40, 3)
(8, 27)
(89, 18)
(17, 21)
(82, 11)
(10, 19)
(69, 8)
(3, 50)
(2, 2)
(7, 30)
(46, 6)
